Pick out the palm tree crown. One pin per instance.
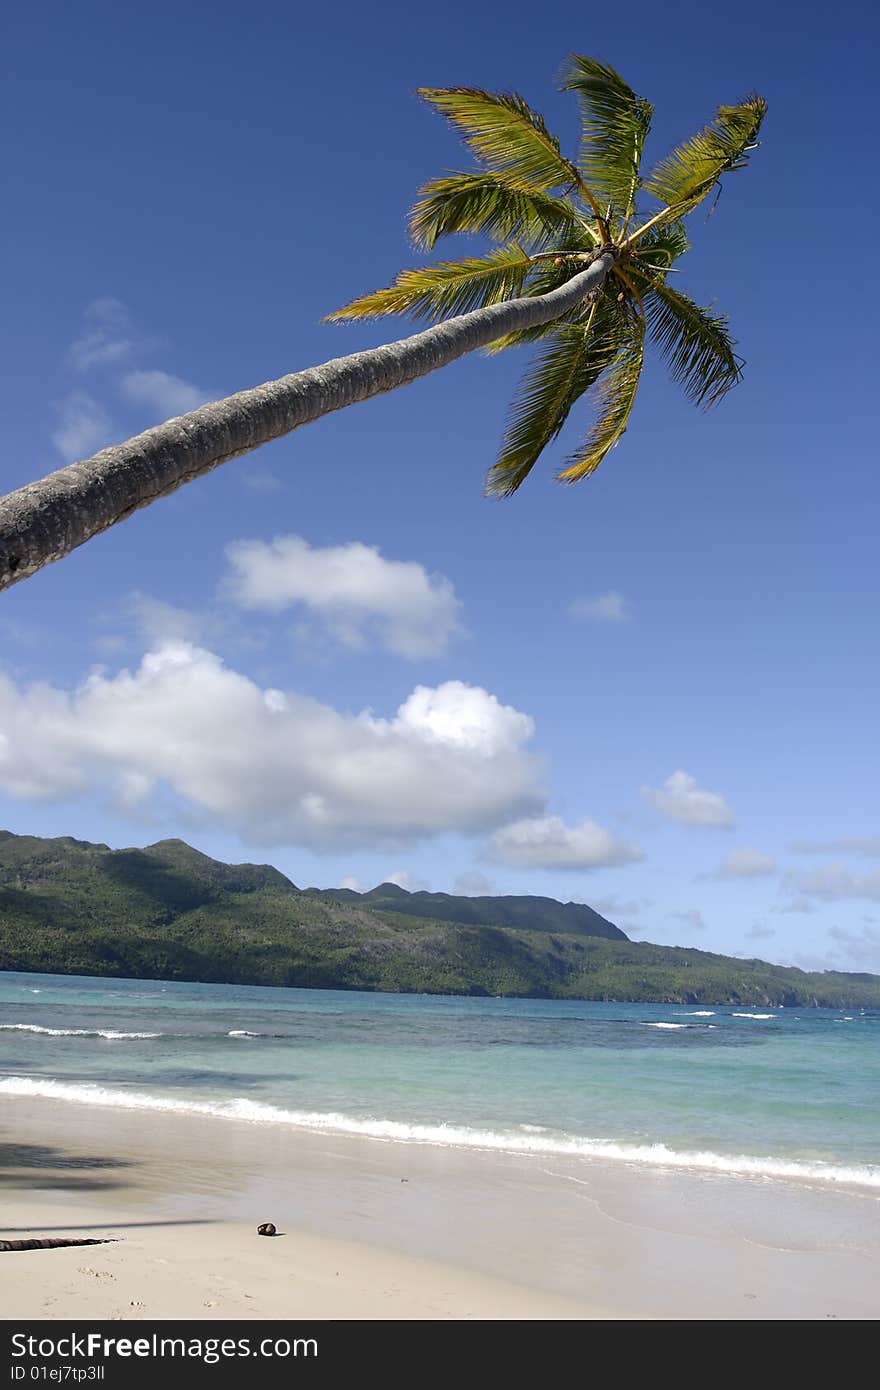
(550, 217)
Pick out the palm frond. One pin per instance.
(683, 178)
(506, 135)
(443, 290)
(573, 357)
(614, 125)
(614, 397)
(696, 345)
(661, 248)
(493, 203)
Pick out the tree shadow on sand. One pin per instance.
(43, 1166)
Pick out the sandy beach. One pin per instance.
(403, 1231)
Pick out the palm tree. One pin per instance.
(578, 266)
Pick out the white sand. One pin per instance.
(399, 1231)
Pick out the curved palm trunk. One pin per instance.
(44, 521)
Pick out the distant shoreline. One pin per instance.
(745, 999)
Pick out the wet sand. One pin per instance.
(376, 1229)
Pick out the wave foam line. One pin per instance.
(111, 1033)
(450, 1136)
(754, 1015)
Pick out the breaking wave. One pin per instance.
(455, 1136)
(112, 1034)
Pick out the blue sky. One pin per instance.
(655, 692)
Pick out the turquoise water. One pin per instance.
(775, 1092)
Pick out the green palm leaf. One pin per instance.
(506, 135)
(493, 203)
(614, 398)
(695, 344)
(660, 248)
(684, 178)
(572, 358)
(614, 124)
(449, 288)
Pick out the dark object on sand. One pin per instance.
(47, 1244)
(266, 1229)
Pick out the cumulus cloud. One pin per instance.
(546, 842)
(352, 589)
(473, 884)
(163, 393)
(404, 879)
(354, 884)
(681, 799)
(692, 917)
(278, 767)
(604, 608)
(745, 863)
(83, 427)
(107, 337)
(867, 845)
(835, 882)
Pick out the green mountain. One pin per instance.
(529, 914)
(169, 912)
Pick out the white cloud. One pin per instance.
(168, 395)
(276, 767)
(868, 845)
(107, 337)
(692, 917)
(835, 882)
(352, 883)
(546, 842)
(604, 608)
(358, 594)
(83, 427)
(404, 879)
(681, 799)
(745, 863)
(473, 884)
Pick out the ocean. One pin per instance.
(791, 1094)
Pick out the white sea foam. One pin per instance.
(241, 1033)
(701, 1013)
(110, 1033)
(452, 1136)
(666, 1025)
(754, 1015)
